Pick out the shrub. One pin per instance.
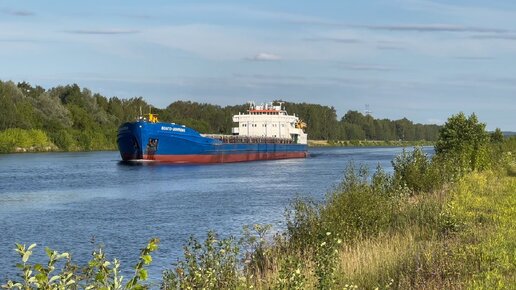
(412, 169)
(326, 254)
(32, 139)
(303, 224)
(292, 273)
(465, 141)
(211, 265)
(99, 273)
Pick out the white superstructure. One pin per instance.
(269, 120)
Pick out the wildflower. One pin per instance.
(298, 271)
(328, 233)
(323, 244)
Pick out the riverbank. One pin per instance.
(16, 140)
(51, 149)
(367, 143)
(462, 237)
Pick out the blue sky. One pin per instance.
(419, 59)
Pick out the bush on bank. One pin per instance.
(61, 273)
(19, 140)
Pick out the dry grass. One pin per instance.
(371, 259)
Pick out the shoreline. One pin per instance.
(367, 143)
(29, 151)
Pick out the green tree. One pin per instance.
(496, 136)
(465, 141)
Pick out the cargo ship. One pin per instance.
(264, 132)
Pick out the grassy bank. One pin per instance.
(470, 245)
(367, 143)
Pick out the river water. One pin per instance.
(74, 201)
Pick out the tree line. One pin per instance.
(73, 118)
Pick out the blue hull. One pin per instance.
(178, 144)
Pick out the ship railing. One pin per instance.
(249, 139)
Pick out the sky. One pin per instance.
(420, 59)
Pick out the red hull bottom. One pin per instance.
(194, 158)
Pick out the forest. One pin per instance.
(71, 118)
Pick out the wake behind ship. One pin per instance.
(265, 132)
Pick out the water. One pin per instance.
(74, 201)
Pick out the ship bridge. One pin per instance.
(270, 121)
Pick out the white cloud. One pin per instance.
(264, 56)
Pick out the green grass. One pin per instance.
(485, 205)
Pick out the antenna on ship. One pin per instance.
(140, 116)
